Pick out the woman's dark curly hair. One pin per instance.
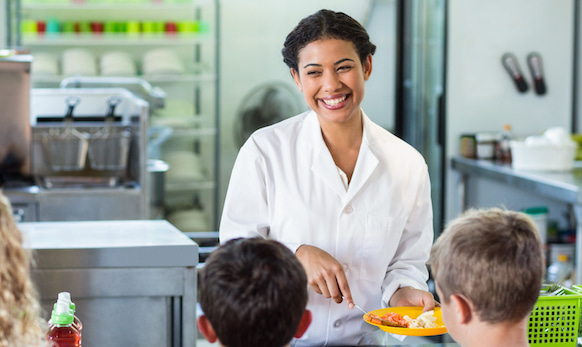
(326, 24)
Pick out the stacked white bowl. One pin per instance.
(177, 113)
(45, 64)
(79, 61)
(117, 64)
(185, 166)
(162, 61)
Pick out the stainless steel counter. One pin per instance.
(133, 282)
(563, 186)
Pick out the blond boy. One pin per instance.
(488, 268)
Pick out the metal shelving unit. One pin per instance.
(194, 122)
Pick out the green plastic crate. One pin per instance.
(578, 289)
(555, 320)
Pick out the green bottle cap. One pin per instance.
(62, 314)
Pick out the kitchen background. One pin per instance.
(231, 63)
(437, 75)
(418, 86)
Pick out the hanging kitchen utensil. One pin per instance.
(534, 61)
(109, 146)
(65, 147)
(509, 61)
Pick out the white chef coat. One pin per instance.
(285, 186)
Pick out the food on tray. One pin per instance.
(392, 317)
(426, 320)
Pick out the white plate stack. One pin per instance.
(78, 61)
(162, 62)
(117, 64)
(185, 166)
(45, 64)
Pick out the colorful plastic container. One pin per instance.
(555, 319)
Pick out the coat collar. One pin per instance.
(324, 167)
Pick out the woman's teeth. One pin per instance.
(333, 102)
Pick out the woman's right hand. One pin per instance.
(325, 274)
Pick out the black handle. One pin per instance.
(112, 102)
(441, 121)
(540, 86)
(520, 84)
(72, 102)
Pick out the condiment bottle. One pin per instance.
(504, 150)
(485, 145)
(62, 331)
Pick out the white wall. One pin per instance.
(480, 94)
(252, 36)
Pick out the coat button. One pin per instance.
(349, 209)
(345, 266)
(337, 323)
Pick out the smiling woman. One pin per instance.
(332, 78)
(337, 189)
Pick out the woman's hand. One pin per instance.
(325, 274)
(408, 296)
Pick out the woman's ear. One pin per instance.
(462, 308)
(304, 324)
(368, 67)
(206, 329)
(297, 80)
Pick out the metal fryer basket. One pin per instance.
(66, 150)
(109, 150)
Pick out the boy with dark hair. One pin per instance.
(253, 292)
(488, 268)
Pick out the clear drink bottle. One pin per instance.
(62, 331)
